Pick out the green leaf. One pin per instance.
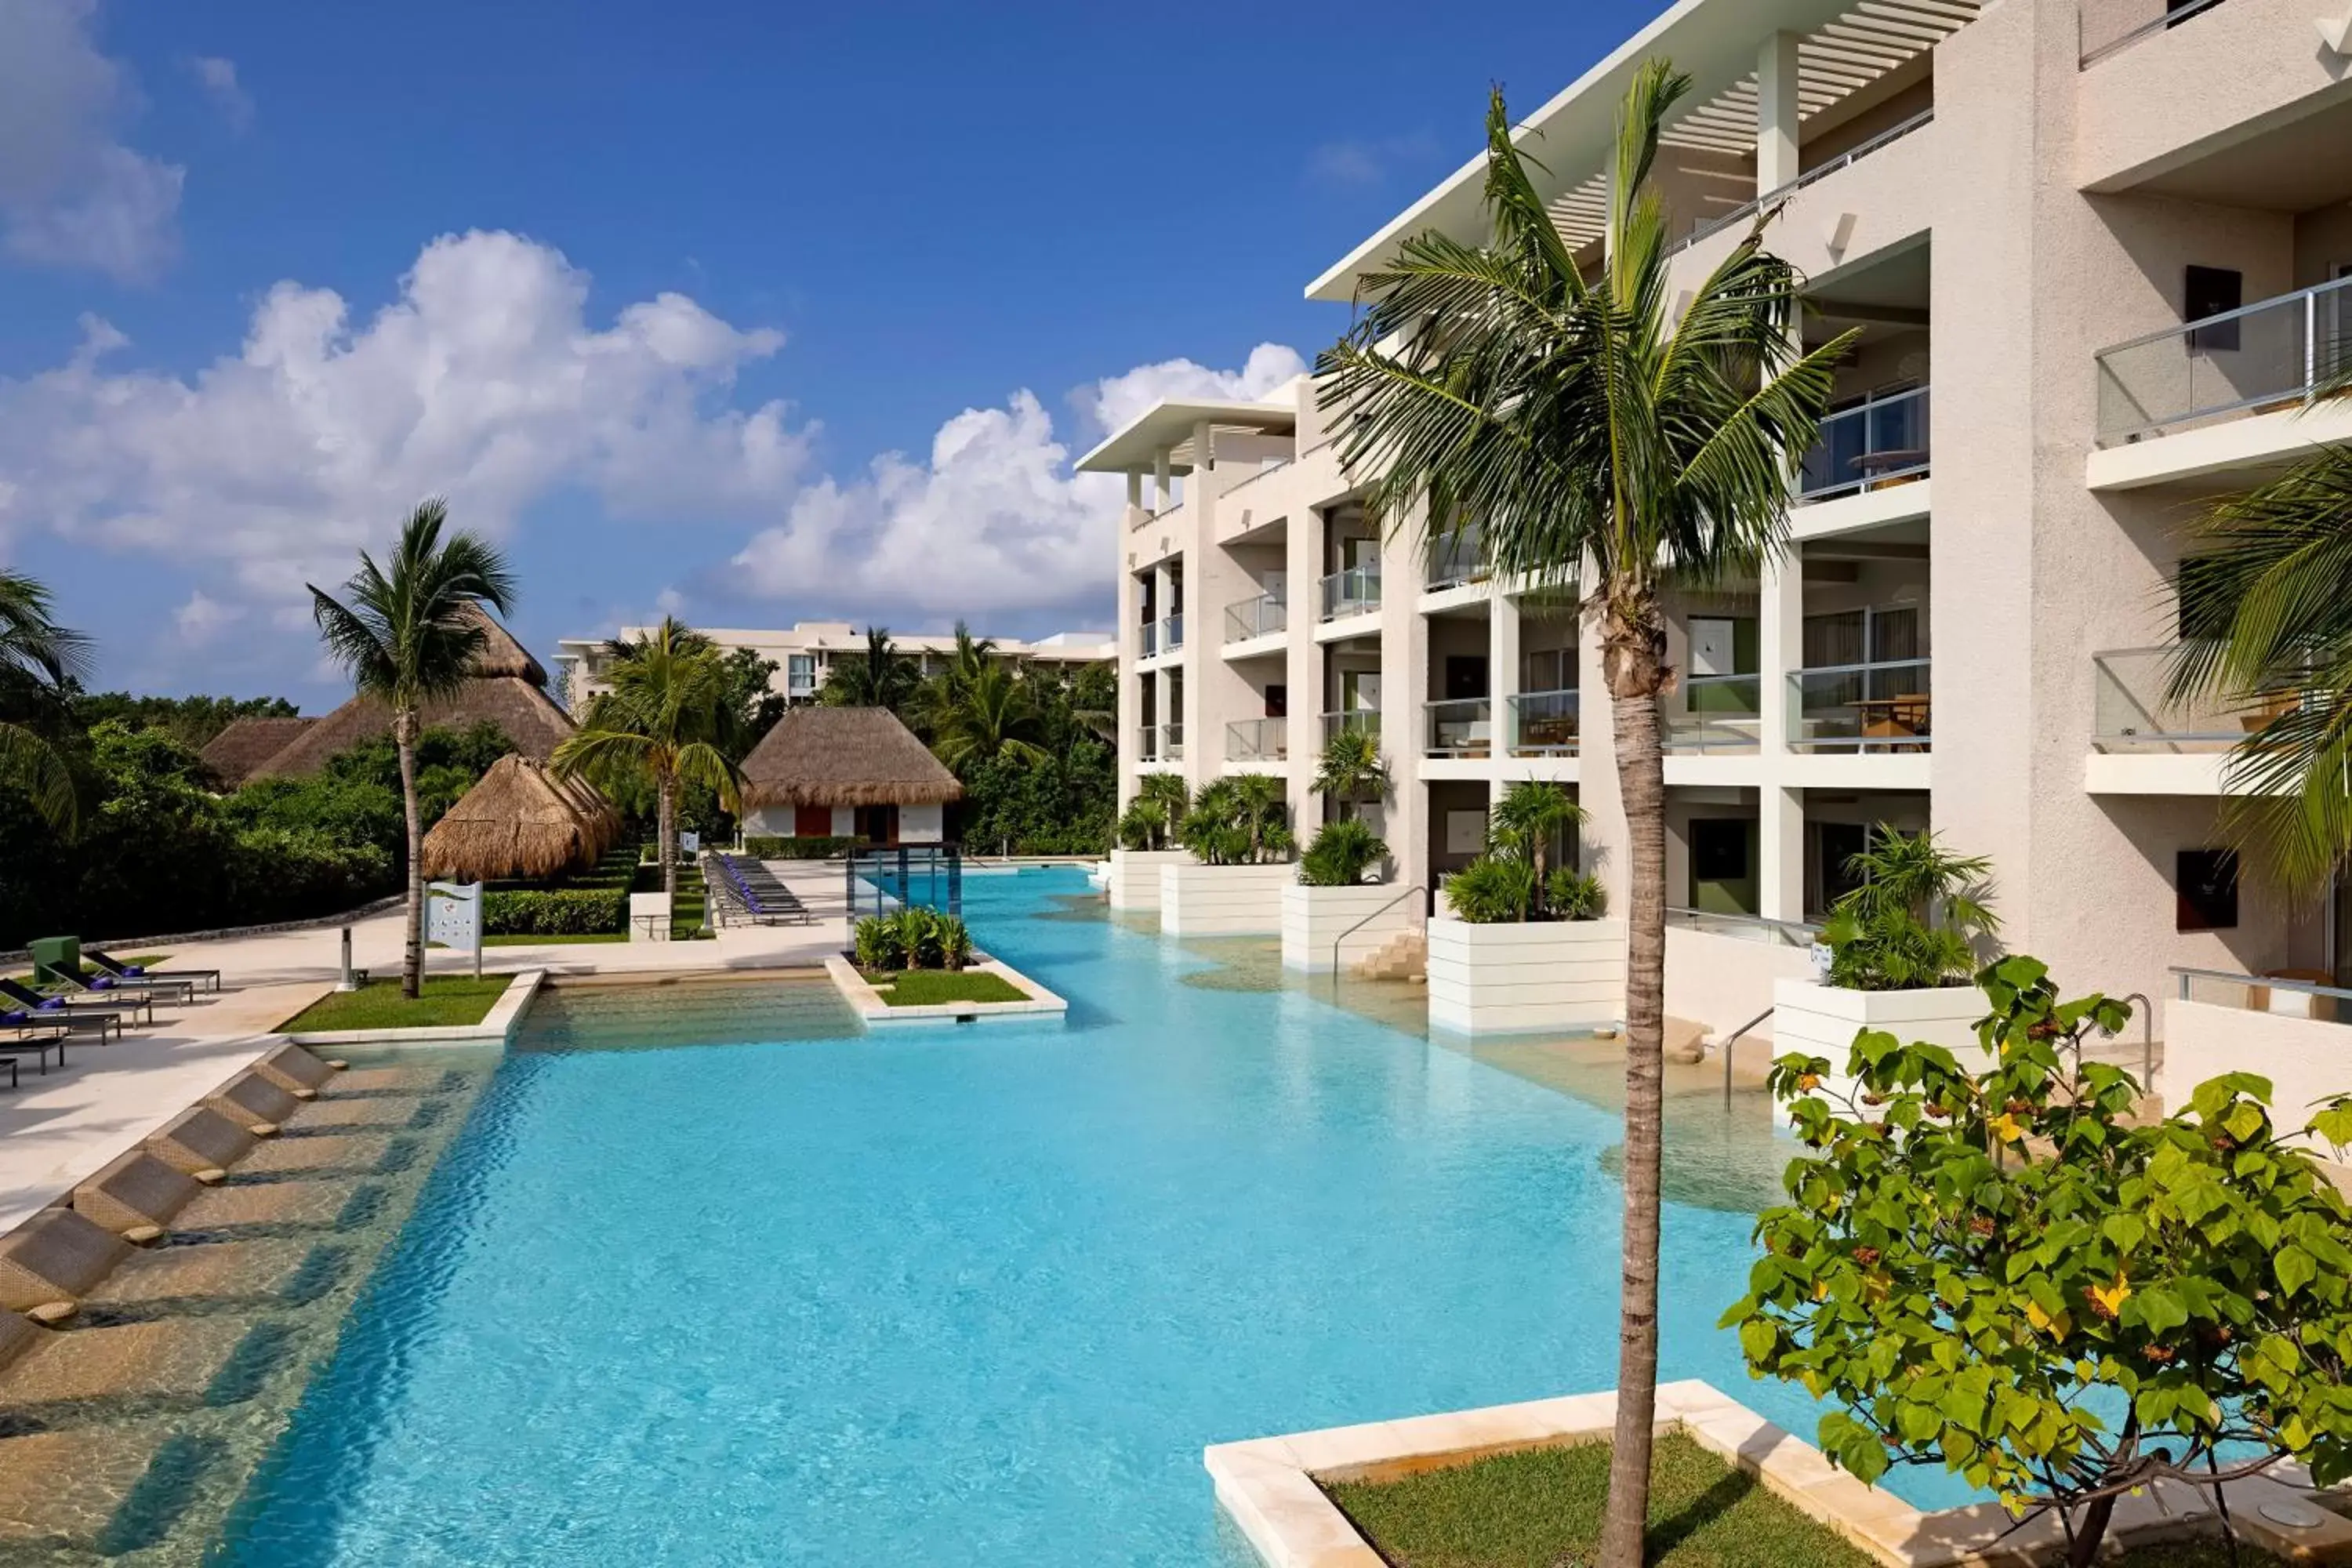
(1758, 1338)
(2295, 1268)
(2125, 1230)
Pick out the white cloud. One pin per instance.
(994, 521)
(202, 618)
(483, 380)
(217, 77)
(71, 194)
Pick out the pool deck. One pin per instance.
(57, 1129)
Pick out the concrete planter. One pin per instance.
(1223, 900)
(1314, 918)
(1526, 979)
(1822, 1020)
(1135, 876)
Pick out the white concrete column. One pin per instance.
(1135, 488)
(1781, 853)
(1502, 668)
(1404, 687)
(1780, 640)
(1303, 664)
(1163, 486)
(1777, 113)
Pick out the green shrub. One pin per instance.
(770, 847)
(1492, 890)
(1238, 821)
(1573, 895)
(1340, 854)
(1914, 921)
(563, 912)
(877, 944)
(911, 938)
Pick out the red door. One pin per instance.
(812, 821)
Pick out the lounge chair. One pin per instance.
(105, 987)
(210, 979)
(78, 1013)
(38, 1046)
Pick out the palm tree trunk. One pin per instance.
(666, 839)
(1633, 655)
(411, 961)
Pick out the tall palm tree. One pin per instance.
(880, 676)
(666, 717)
(1531, 813)
(409, 633)
(2266, 622)
(39, 663)
(984, 715)
(1575, 420)
(1350, 770)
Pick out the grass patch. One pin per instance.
(931, 987)
(554, 940)
(687, 910)
(446, 1001)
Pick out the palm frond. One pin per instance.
(35, 766)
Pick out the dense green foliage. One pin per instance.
(1151, 819)
(911, 938)
(1243, 820)
(556, 912)
(1510, 882)
(1998, 1269)
(193, 722)
(1340, 853)
(1914, 921)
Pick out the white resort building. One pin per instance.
(808, 651)
(2024, 206)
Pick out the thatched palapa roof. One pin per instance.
(844, 756)
(238, 752)
(505, 690)
(520, 821)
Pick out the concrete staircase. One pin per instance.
(1404, 956)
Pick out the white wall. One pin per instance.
(922, 824)
(2304, 1059)
(1723, 981)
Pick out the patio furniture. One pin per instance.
(38, 1046)
(106, 987)
(77, 1013)
(209, 978)
(1879, 469)
(1894, 719)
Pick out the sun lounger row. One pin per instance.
(103, 1003)
(749, 891)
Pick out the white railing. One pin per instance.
(1881, 441)
(1147, 743)
(1171, 632)
(1462, 727)
(2102, 27)
(1257, 741)
(1149, 640)
(1255, 617)
(2269, 355)
(1748, 209)
(1355, 592)
(2265, 993)
(1881, 706)
(1748, 928)
(1171, 742)
(1544, 723)
(1721, 714)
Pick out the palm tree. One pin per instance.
(2266, 618)
(881, 677)
(1577, 422)
(40, 662)
(987, 714)
(665, 717)
(1531, 813)
(408, 635)
(1350, 770)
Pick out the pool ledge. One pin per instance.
(497, 1023)
(1268, 1487)
(873, 1010)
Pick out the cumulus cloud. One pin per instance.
(991, 521)
(71, 194)
(217, 77)
(202, 618)
(483, 379)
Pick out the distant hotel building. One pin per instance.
(805, 652)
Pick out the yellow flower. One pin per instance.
(2109, 1299)
(1808, 1081)
(2005, 1128)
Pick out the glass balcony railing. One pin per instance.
(1457, 559)
(1746, 927)
(1354, 592)
(1877, 707)
(2263, 358)
(1147, 743)
(1255, 617)
(2130, 712)
(1881, 442)
(1462, 727)
(1147, 642)
(1367, 719)
(1171, 632)
(1171, 742)
(1822, 171)
(1257, 741)
(1544, 724)
(2104, 26)
(1720, 713)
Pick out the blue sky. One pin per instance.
(649, 290)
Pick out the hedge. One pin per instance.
(572, 912)
(766, 848)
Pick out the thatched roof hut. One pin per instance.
(238, 752)
(844, 756)
(507, 689)
(520, 821)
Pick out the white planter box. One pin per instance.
(1314, 918)
(1223, 900)
(1822, 1020)
(1524, 979)
(1135, 876)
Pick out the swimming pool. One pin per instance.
(962, 1294)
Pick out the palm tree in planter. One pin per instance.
(666, 717)
(409, 632)
(1340, 853)
(1581, 421)
(1350, 772)
(1152, 818)
(1913, 921)
(1239, 820)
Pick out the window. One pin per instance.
(1550, 669)
(1718, 848)
(1465, 676)
(1278, 702)
(800, 676)
(2212, 291)
(2206, 882)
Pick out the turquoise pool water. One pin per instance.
(959, 1294)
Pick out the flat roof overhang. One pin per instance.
(1166, 425)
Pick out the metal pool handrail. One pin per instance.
(1360, 924)
(1732, 1039)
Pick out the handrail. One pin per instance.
(1785, 929)
(1733, 1039)
(2202, 322)
(2308, 987)
(2147, 1041)
(1862, 668)
(2084, 59)
(1360, 924)
(1757, 204)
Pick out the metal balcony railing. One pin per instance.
(2258, 359)
(1171, 632)
(1147, 743)
(1748, 209)
(1257, 741)
(1367, 719)
(1462, 727)
(1747, 928)
(1255, 617)
(1881, 441)
(1456, 559)
(1881, 706)
(1147, 642)
(2131, 712)
(1544, 724)
(1721, 713)
(1354, 592)
(2103, 27)
(2265, 993)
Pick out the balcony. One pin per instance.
(1147, 743)
(2103, 27)
(1748, 210)
(1148, 640)
(1257, 741)
(1878, 707)
(1171, 632)
(2263, 358)
(1462, 727)
(1456, 560)
(1721, 715)
(1355, 592)
(1881, 442)
(2131, 714)
(1544, 723)
(1255, 617)
(1365, 720)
